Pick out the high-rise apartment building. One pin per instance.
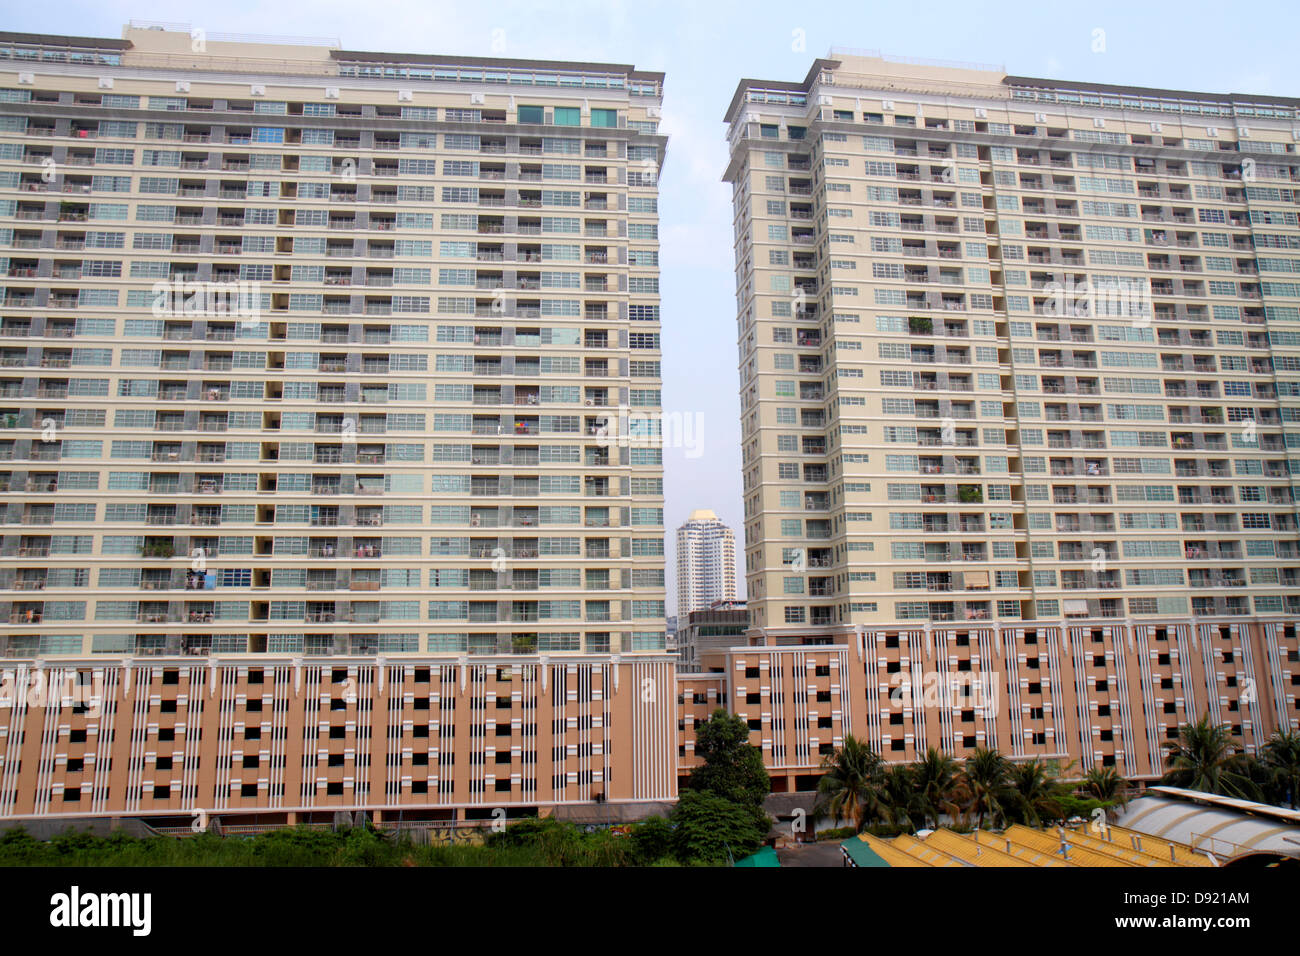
(309, 363)
(706, 563)
(1015, 350)
(1020, 398)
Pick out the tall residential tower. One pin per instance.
(1020, 399)
(1015, 350)
(365, 508)
(706, 563)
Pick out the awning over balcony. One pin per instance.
(975, 579)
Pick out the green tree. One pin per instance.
(939, 784)
(1281, 759)
(850, 785)
(1035, 797)
(1107, 785)
(652, 840)
(899, 798)
(733, 767)
(364, 846)
(1205, 757)
(988, 791)
(712, 829)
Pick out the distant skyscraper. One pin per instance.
(706, 562)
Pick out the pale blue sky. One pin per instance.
(705, 47)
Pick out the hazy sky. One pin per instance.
(705, 48)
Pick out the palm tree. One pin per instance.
(985, 775)
(939, 786)
(1205, 757)
(1034, 793)
(1106, 784)
(848, 789)
(1282, 764)
(900, 798)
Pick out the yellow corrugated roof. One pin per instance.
(1122, 851)
(984, 853)
(1050, 843)
(1153, 852)
(890, 852)
(1183, 855)
(1030, 855)
(917, 848)
(1023, 846)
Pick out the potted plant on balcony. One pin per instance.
(920, 325)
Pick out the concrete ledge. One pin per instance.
(45, 829)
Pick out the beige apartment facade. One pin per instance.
(322, 362)
(445, 305)
(296, 740)
(1079, 697)
(1014, 351)
(1019, 391)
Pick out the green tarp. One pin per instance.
(764, 857)
(861, 854)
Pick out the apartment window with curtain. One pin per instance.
(568, 116)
